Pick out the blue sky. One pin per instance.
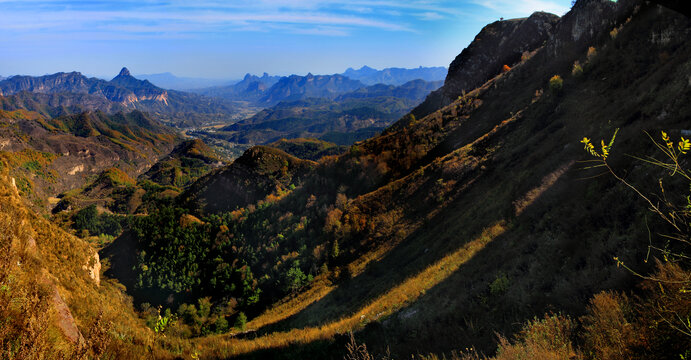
(226, 39)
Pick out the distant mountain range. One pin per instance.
(69, 93)
(342, 119)
(395, 76)
(296, 87)
(169, 81)
(270, 90)
(250, 88)
(63, 91)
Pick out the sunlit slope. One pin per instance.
(507, 155)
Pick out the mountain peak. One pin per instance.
(124, 72)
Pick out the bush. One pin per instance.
(608, 333)
(556, 83)
(577, 69)
(547, 338)
(240, 321)
(499, 285)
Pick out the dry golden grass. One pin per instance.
(39, 260)
(395, 299)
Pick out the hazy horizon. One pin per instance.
(225, 40)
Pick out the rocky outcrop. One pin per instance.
(498, 44)
(64, 319)
(139, 90)
(93, 268)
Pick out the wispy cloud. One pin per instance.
(151, 18)
(318, 17)
(523, 7)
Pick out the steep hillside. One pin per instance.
(74, 91)
(501, 43)
(53, 301)
(450, 228)
(50, 156)
(259, 172)
(186, 163)
(483, 227)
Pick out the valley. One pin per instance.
(428, 213)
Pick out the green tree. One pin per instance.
(241, 321)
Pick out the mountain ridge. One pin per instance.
(395, 76)
(123, 92)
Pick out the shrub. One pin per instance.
(608, 333)
(547, 338)
(592, 53)
(499, 285)
(221, 324)
(556, 83)
(613, 34)
(505, 68)
(577, 69)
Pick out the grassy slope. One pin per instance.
(38, 261)
(513, 201)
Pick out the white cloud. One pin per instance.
(430, 16)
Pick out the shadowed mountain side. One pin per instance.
(260, 171)
(560, 228)
(308, 149)
(187, 162)
(498, 44)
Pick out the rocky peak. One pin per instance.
(124, 72)
(498, 44)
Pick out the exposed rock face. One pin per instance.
(498, 44)
(94, 268)
(65, 320)
(587, 19)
